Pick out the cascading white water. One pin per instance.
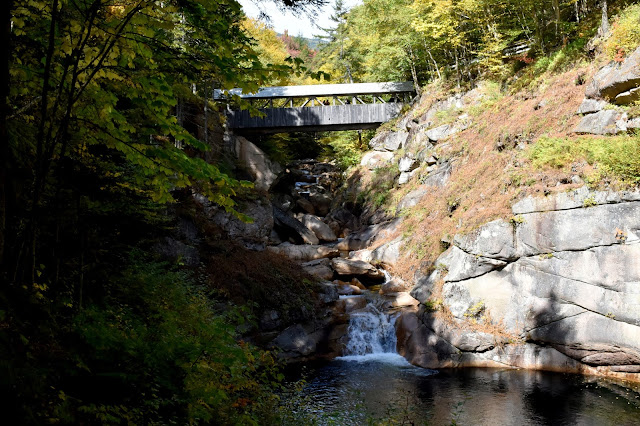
(370, 332)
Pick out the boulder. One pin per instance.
(263, 171)
(438, 133)
(305, 205)
(356, 267)
(388, 253)
(320, 268)
(304, 252)
(390, 141)
(395, 285)
(627, 97)
(605, 122)
(318, 227)
(404, 178)
(439, 177)
(253, 235)
(321, 203)
(493, 240)
(361, 240)
(401, 299)
(375, 159)
(356, 282)
(346, 305)
(633, 124)
(412, 198)
(174, 250)
(462, 265)
(283, 220)
(406, 164)
(327, 293)
(295, 341)
(614, 79)
(346, 289)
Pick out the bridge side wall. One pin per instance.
(326, 115)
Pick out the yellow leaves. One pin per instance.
(117, 11)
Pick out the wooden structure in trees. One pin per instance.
(321, 107)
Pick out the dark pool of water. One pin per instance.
(389, 390)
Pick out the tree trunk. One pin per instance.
(5, 55)
(603, 31)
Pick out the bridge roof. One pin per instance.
(322, 90)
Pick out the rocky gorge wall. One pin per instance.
(554, 284)
(561, 280)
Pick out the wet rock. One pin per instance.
(356, 267)
(349, 304)
(346, 289)
(356, 282)
(304, 252)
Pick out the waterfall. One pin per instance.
(370, 332)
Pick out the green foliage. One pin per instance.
(625, 33)
(616, 156)
(346, 147)
(155, 350)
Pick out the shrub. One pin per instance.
(616, 156)
(625, 33)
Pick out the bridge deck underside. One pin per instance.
(321, 118)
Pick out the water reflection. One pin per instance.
(348, 392)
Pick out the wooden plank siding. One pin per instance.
(326, 117)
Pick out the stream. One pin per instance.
(372, 384)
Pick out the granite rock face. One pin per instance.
(615, 81)
(562, 279)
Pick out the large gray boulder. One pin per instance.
(589, 106)
(389, 141)
(263, 171)
(318, 227)
(615, 79)
(296, 341)
(283, 220)
(356, 267)
(605, 122)
(320, 268)
(254, 234)
(376, 159)
(304, 252)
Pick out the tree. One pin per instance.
(90, 74)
